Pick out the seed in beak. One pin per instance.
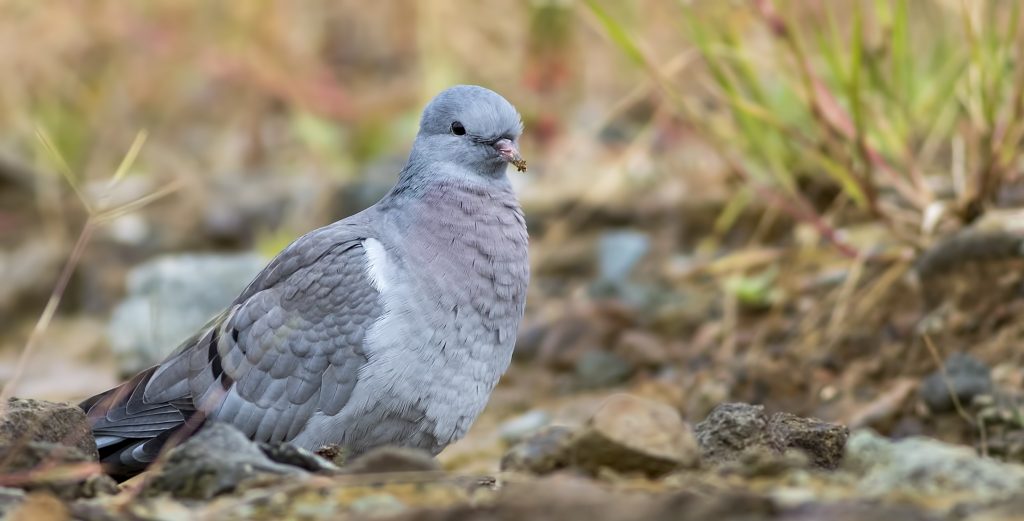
(508, 152)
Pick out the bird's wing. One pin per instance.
(290, 345)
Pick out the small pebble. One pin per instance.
(515, 429)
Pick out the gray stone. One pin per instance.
(922, 467)
(730, 429)
(215, 461)
(10, 498)
(26, 420)
(545, 451)
(38, 460)
(37, 435)
(169, 298)
(618, 254)
(519, 427)
(596, 369)
(965, 377)
(823, 442)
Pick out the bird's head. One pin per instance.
(473, 128)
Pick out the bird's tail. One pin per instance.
(130, 433)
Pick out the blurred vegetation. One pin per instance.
(912, 108)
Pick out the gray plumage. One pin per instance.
(391, 326)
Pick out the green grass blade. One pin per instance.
(618, 34)
(62, 166)
(129, 158)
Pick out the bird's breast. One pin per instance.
(454, 289)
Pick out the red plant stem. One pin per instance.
(828, 110)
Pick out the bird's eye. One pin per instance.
(458, 129)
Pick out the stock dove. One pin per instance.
(389, 327)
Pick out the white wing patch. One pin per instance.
(377, 264)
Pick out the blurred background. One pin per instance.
(812, 205)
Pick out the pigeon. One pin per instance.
(389, 327)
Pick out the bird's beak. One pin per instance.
(509, 152)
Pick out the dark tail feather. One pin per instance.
(130, 432)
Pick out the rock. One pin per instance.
(965, 376)
(63, 470)
(730, 429)
(515, 429)
(543, 452)
(52, 446)
(169, 298)
(392, 459)
(823, 442)
(596, 369)
(923, 467)
(631, 434)
(618, 252)
(36, 420)
(734, 428)
(10, 498)
(289, 454)
(214, 461)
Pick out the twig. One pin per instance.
(945, 380)
(51, 308)
(843, 303)
(96, 218)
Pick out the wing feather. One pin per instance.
(288, 347)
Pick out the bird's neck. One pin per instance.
(420, 178)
